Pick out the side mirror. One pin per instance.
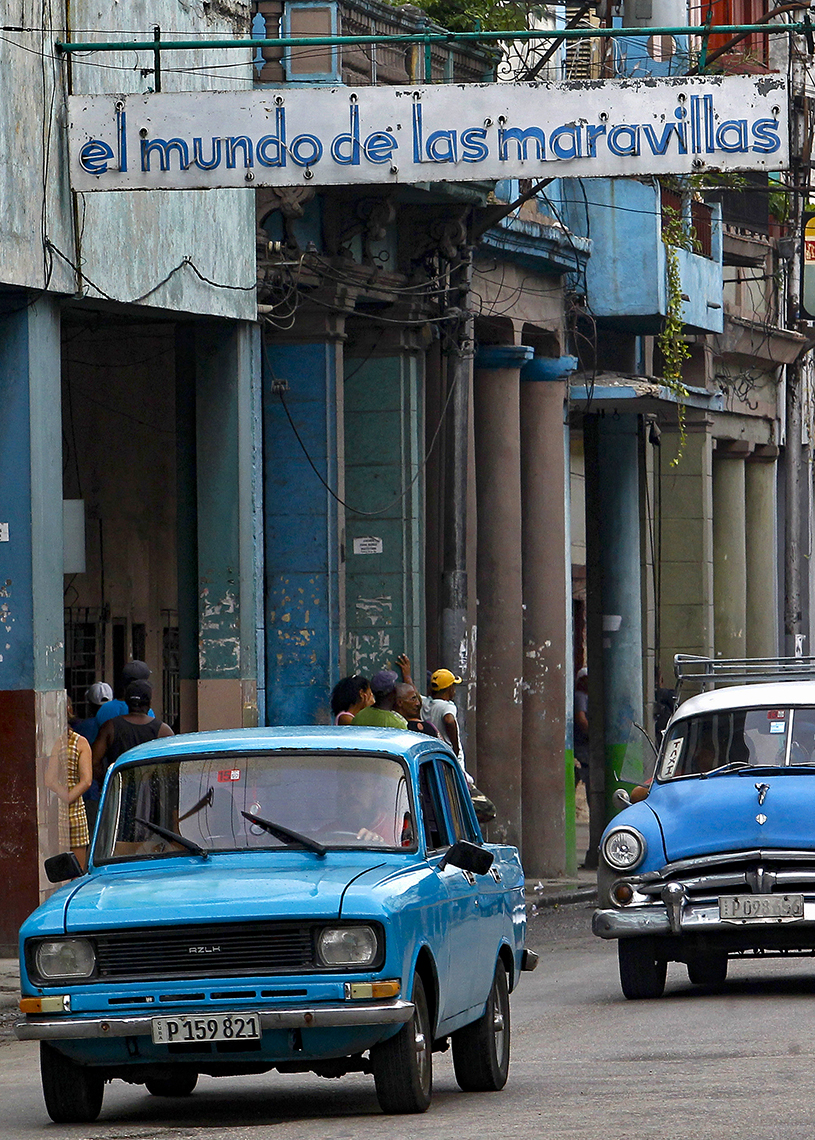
(468, 857)
(60, 868)
(621, 798)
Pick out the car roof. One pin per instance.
(784, 694)
(286, 738)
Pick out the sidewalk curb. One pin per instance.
(546, 899)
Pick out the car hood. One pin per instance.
(722, 813)
(215, 890)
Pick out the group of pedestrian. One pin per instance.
(81, 756)
(386, 702)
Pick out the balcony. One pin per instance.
(626, 276)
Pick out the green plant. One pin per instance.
(671, 342)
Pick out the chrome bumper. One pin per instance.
(395, 1012)
(703, 919)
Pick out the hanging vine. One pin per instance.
(671, 342)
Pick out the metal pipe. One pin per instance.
(66, 48)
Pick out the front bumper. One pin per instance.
(65, 1028)
(700, 918)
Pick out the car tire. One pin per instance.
(179, 1084)
(72, 1093)
(642, 972)
(708, 969)
(403, 1065)
(481, 1049)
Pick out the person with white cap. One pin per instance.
(97, 695)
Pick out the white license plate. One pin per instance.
(190, 1029)
(751, 908)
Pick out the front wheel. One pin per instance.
(73, 1093)
(403, 1065)
(178, 1084)
(481, 1049)
(708, 969)
(642, 972)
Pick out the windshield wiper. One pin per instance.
(730, 766)
(205, 801)
(173, 837)
(285, 834)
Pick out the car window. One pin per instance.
(459, 815)
(435, 826)
(337, 799)
(737, 737)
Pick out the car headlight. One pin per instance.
(348, 946)
(64, 958)
(624, 848)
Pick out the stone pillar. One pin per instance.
(618, 534)
(686, 550)
(546, 783)
(729, 557)
(499, 713)
(32, 703)
(219, 551)
(762, 551)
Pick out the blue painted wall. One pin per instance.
(301, 542)
(31, 579)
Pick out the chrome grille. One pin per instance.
(754, 872)
(212, 950)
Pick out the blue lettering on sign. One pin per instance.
(94, 156)
(379, 147)
(732, 136)
(164, 148)
(473, 144)
(305, 150)
(690, 127)
(765, 133)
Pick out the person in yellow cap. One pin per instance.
(440, 709)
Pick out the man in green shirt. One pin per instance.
(382, 714)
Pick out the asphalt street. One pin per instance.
(728, 1065)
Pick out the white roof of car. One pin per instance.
(784, 694)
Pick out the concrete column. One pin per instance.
(729, 557)
(615, 534)
(32, 703)
(546, 784)
(761, 553)
(686, 550)
(219, 542)
(499, 714)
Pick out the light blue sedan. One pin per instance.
(299, 899)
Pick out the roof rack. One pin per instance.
(711, 671)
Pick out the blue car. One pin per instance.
(299, 899)
(718, 860)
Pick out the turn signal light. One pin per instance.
(57, 1003)
(368, 990)
(622, 893)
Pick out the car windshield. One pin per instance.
(310, 802)
(737, 738)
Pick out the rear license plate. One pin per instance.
(751, 908)
(186, 1030)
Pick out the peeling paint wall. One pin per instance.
(129, 242)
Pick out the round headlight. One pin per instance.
(624, 848)
(65, 958)
(347, 946)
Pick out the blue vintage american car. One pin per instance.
(719, 860)
(299, 899)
